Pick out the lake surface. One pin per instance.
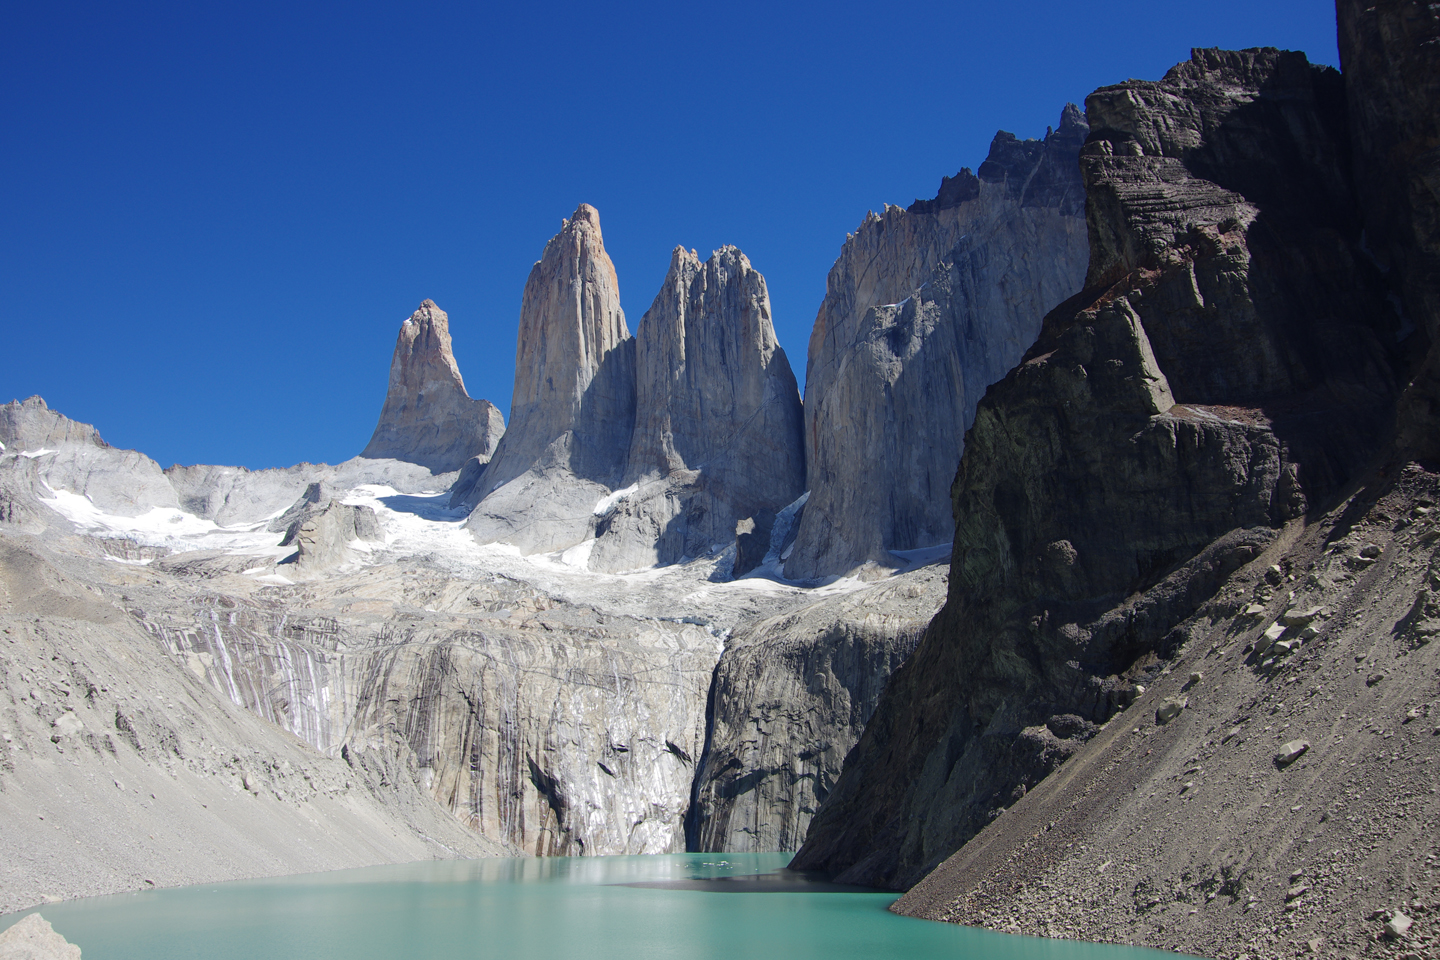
(683, 906)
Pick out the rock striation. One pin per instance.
(428, 417)
(718, 433)
(573, 408)
(1231, 362)
(923, 310)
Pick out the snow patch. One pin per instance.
(607, 504)
(36, 454)
(163, 527)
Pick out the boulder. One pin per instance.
(34, 939)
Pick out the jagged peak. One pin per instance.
(585, 215)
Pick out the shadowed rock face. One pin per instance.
(923, 310)
(428, 418)
(1392, 85)
(1231, 361)
(718, 431)
(573, 408)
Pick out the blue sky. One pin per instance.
(215, 216)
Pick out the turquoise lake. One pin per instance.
(691, 906)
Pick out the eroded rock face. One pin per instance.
(923, 310)
(718, 433)
(1230, 362)
(428, 417)
(573, 408)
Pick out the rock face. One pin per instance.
(923, 310)
(1392, 84)
(791, 695)
(573, 408)
(71, 456)
(428, 418)
(718, 433)
(1231, 361)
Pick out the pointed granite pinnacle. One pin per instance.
(428, 418)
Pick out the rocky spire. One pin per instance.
(574, 402)
(428, 418)
(719, 434)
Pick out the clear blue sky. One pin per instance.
(216, 215)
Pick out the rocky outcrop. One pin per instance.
(34, 939)
(719, 433)
(428, 418)
(71, 456)
(1231, 362)
(327, 534)
(923, 310)
(573, 408)
(791, 695)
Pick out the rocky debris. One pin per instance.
(1256, 859)
(34, 939)
(573, 409)
(1214, 380)
(791, 695)
(428, 417)
(718, 432)
(923, 310)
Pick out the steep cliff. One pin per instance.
(1231, 361)
(573, 408)
(791, 695)
(428, 418)
(718, 432)
(923, 310)
(1392, 83)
